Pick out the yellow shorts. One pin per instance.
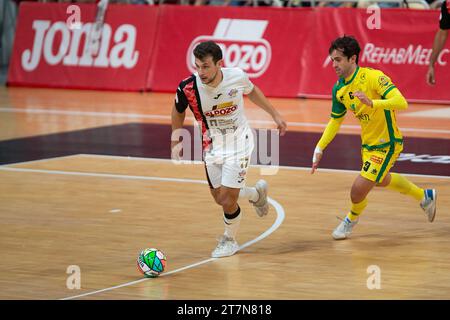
(378, 162)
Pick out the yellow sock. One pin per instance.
(401, 184)
(357, 209)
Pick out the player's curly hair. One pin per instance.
(347, 45)
(208, 48)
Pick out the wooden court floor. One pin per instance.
(97, 212)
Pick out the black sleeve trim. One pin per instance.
(181, 101)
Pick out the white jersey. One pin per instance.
(219, 111)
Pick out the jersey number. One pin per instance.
(366, 166)
(244, 162)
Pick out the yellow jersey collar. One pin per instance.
(351, 78)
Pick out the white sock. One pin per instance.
(249, 193)
(232, 225)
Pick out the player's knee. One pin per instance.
(216, 196)
(220, 199)
(226, 201)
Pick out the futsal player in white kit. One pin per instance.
(215, 96)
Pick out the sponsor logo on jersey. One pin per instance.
(363, 117)
(222, 109)
(376, 159)
(241, 176)
(242, 44)
(223, 105)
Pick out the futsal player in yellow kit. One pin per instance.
(372, 97)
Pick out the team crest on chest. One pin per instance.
(362, 78)
(232, 93)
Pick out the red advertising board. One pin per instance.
(283, 50)
(261, 41)
(50, 48)
(398, 42)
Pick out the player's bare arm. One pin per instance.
(258, 98)
(439, 41)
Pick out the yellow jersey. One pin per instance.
(378, 126)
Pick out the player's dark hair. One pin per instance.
(347, 45)
(208, 48)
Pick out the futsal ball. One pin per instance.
(151, 262)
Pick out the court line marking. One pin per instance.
(278, 221)
(99, 175)
(9, 167)
(192, 119)
(40, 160)
(279, 209)
(253, 165)
(441, 113)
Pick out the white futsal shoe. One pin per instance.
(428, 203)
(227, 247)
(261, 205)
(344, 229)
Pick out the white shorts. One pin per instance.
(228, 167)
